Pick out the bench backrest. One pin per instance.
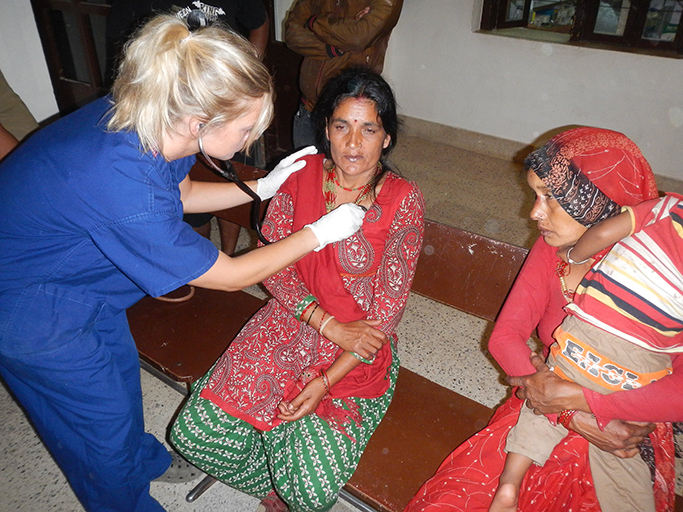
(466, 271)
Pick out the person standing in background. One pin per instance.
(16, 122)
(247, 17)
(332, 35)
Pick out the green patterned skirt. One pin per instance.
(306, 462)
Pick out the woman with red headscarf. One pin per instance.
(580, 177)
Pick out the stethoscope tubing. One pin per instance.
(229, 174)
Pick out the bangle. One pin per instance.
(362, 359)
(312, 313)
(323, 324)
(326, 380)
(303, 313)
(565, 417)
(571, 261)
(321, 320)
(301, 306)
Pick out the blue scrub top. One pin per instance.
(89, 223)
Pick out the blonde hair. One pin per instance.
(168, 73)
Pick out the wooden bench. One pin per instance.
(425, 421)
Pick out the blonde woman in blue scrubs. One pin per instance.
(92, 221)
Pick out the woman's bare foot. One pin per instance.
(505, 499)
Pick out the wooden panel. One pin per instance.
(466, 271)
(183, 340)
(422, 426)
(283, 65)
(71, 32)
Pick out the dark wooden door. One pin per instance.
(72, 33)
(284, 66)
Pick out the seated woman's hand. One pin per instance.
(620, 438)
(546, 393)
(360, 336)
(304, 403)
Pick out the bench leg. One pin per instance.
(200, 488)
(356, 502)
(208, 481)
(180, 387)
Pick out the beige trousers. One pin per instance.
(621, 485)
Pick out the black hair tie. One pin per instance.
(195, 19)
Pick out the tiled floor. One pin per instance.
(464, 189)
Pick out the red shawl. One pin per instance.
(322, 271)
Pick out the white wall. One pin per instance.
(515, 89)
(446, 73)
(22, 60)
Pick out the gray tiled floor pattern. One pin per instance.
(461, 188)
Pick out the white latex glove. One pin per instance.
(268, 185)
(340, 223)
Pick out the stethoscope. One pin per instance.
(195, 20)
(229, 174)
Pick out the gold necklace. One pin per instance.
(330, 192)
(562, 270)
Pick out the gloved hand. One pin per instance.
(340, 223)
(268, 185)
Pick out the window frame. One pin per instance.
(581, 33)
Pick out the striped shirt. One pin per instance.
(636, 291)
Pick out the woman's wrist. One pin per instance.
(565, 417)
(326, 380)
(326, 319)
(329, 328)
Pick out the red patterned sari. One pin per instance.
(365, 276)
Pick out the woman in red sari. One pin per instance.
(289, 408)
(581, 177)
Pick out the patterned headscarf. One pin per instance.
(593, 173)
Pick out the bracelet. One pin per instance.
(312, 313)
(571, 261)
(565, 417)
(303, 313)
(362, 359)
(323, 324)
(326, 380)
(321, 320)
(301, 306)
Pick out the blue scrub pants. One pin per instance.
(84, 397)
